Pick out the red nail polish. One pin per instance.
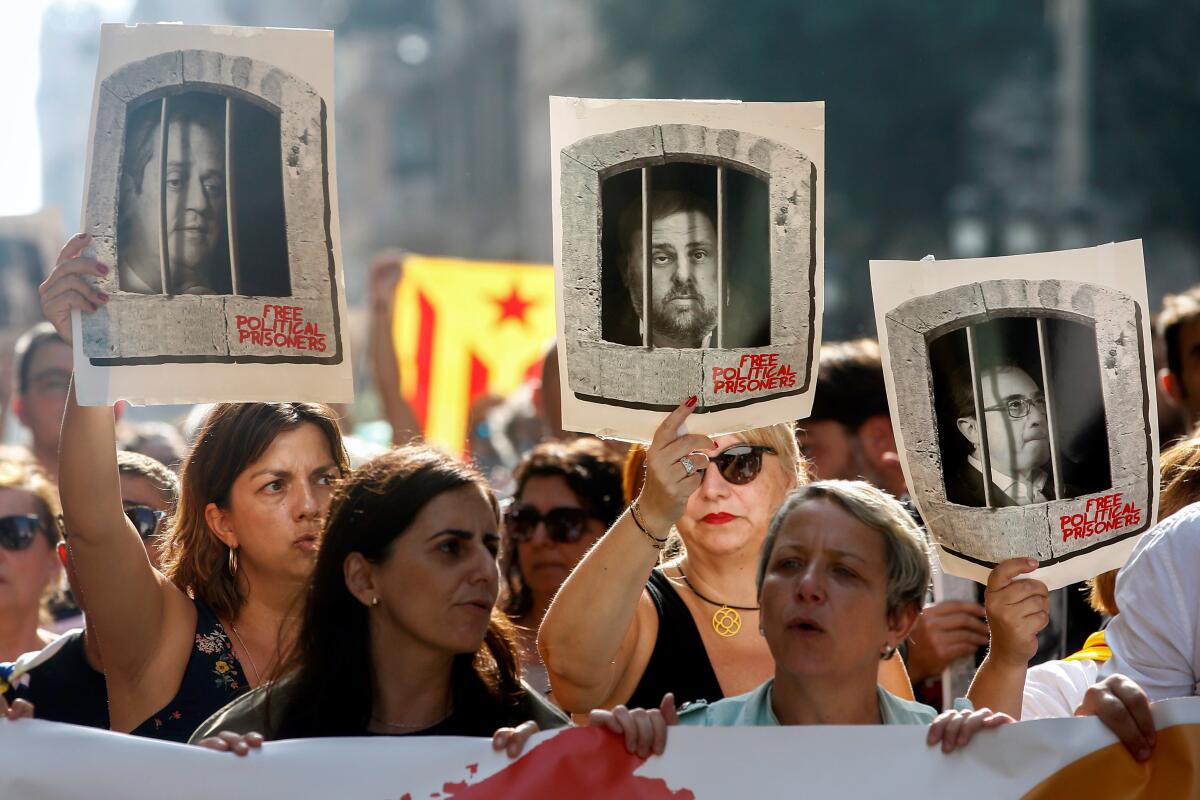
(103, 270)
(691, 401)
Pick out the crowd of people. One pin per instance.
(212, 588)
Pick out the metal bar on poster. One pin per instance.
(985, 458)
(230, 211)
(1048, 393)
(647, 260)
(164, 255)
(722, 285)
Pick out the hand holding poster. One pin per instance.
(212, 194)
(688, 242)
(1036, 372)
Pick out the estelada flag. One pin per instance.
(467, 328)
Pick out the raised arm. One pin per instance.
(125, 598)
(1016, 610)
(602, 623)
(385, 368)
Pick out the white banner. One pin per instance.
(1041, 759)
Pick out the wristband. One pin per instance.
(655, 542)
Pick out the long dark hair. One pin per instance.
(233, 436)
(371, 508)
(591, 472)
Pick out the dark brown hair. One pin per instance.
(1178, 310)
(591, 472)
(850, 386)
(372, 508)
(232, 437)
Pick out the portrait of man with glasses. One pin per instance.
(1016, 434)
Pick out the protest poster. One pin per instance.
(464, 329)
(212, 194)
(688, 239)
(1033, 760)
(1035, 370)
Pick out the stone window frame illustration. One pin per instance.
(134, 328)
(648, 378)
(987, 536)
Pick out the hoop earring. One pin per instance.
(887, 652)
(233, 562)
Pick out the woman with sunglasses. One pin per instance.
(180, 643)
(65, 680)
(400, 634)
(628, 628)
(29, 569)
(567, 495)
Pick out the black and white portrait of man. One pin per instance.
(683, 260)
(183, 205)
(1018, 439)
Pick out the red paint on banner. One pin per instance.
(1106, 514)
(281, 326)
(755, 372)
(581, 763)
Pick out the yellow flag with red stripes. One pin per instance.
(467, 328)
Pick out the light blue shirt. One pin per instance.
(754, 709)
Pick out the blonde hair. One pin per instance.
(780, 438)
(26, 476)
(908, 561)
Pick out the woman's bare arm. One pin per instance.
(129, 605)
(594, 627)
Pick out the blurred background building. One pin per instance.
(954, 129)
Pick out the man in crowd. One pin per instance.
(188, 197)
(683, 268)
(1178, 327)
(1017, 439)
(849, 436)
(43, 375)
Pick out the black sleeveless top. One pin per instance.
(679, 662)
(59, 682)
(212, 678)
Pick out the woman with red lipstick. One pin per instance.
(400, 635)
(627, 629)
(567, 495)
(180, 643)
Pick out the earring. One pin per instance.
(887, 652)
(233, 562)
(374, 602)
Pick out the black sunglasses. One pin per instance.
(18, 531)
(145, 519)
(741, 463)
(563, 525)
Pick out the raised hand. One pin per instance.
(669, 483)
(1017, 609)
(69, 286)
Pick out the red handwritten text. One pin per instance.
(280, 326)
(1101, 515)
(754, 373)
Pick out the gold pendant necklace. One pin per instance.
(726, 621)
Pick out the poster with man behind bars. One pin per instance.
(211, 195)
(688, 242)
(1022, 392)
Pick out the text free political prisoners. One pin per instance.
(281, 326)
